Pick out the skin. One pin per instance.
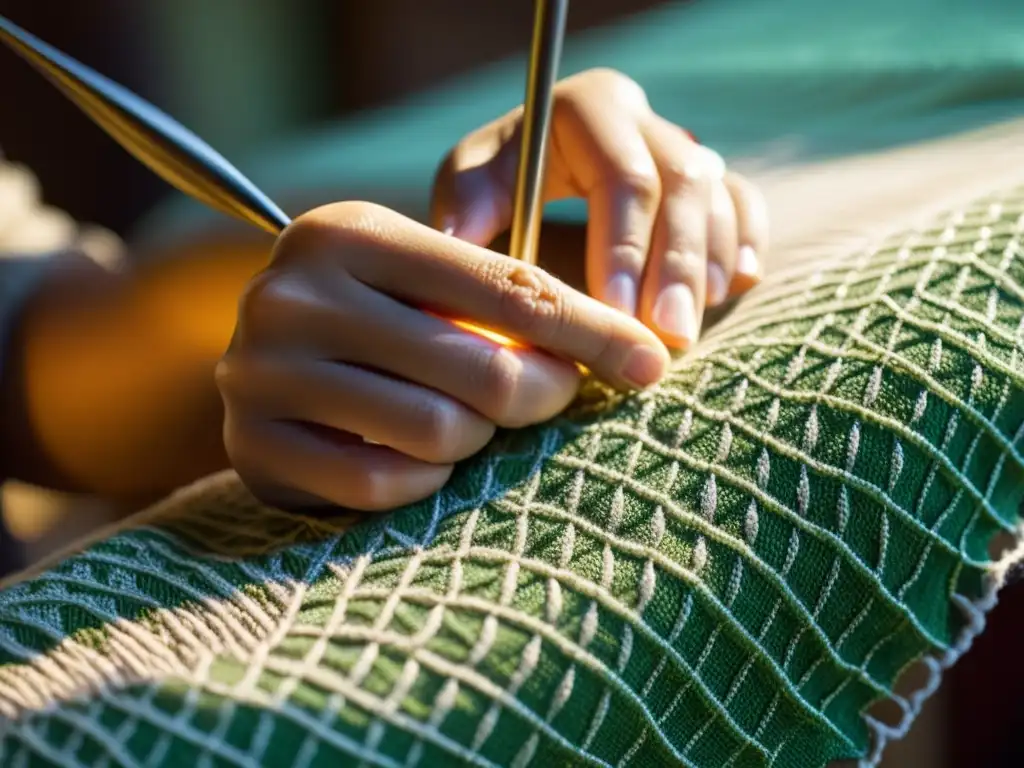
(669, 232)
(347, 332)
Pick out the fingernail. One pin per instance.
(674, 313)
(644, 367)
(718, 287)
(620, 293)
(747, 263)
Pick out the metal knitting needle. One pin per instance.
(157, 140)
(187, 162)
(545, 55)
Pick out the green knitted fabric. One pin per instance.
(727, 570)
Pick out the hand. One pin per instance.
(669, 231)
(344, 337)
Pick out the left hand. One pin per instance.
(669, 231)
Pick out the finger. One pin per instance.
(288, 464)
(675, 282)
(511, 385)
(472, 192)
(722, 245)
(596, 155)
(752, 228)
(413, 420)
(610, 165)
(421, 267)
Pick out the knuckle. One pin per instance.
(617, 86)
(596, 91)
(501, 380)
(608, 346)
(229, 375)
(284, 302)
(269, 296)
(628, 256)
(531, 301)
(698, 170)
(682, 266)
(640, 183)
(247, 380)
(711, 163)
(440, 425)
(682, 175)
(334, 228)
(346, 216)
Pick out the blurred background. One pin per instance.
(242, 73)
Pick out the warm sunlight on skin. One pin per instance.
(479, 330)
(488, 334)
(503, 340)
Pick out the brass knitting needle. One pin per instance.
(545, 56)
(157, 140)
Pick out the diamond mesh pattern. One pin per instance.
(726, 570)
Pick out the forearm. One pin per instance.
(109, 382)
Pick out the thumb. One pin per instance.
(477, 217)
(473, 188)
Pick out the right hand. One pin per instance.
(348, 334)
